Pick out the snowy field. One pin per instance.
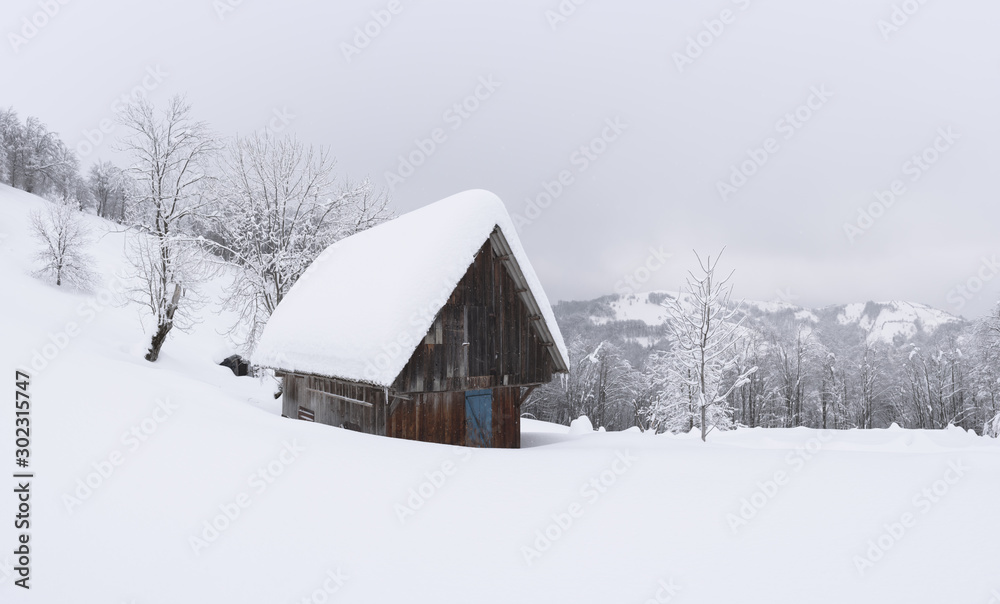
(178, 482)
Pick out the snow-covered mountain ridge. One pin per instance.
(886, 322)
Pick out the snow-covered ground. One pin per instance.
(178, 482)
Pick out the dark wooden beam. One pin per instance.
(526, 394)
(339, 397)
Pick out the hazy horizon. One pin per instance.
(628, 116)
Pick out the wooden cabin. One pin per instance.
(429, 327)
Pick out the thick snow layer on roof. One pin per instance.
(364, 305)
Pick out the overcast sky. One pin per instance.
(868, 97)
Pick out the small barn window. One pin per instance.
(307, 414)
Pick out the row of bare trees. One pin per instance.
(267, 206)
(720, 369)
(36, 160)
(951, 379)
(256, 210)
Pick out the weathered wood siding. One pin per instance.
(440, 417)
(507, 417)
(431, 417)
(482, 337)
(313, 393)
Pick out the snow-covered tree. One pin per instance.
(108, 187)
(9, 128)
(799, 358)
(833, 393)
(171, 153)
(985, 374)
(280, 204)
(35, 159)
(64, 239)
(698, 373)
(673, 407)
(754, 400)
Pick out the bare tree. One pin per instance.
(280, 205)
(751, 400)
(833, 393)
(171, 154)
(9, 129)
(35, 159)
(108, 187)
(64, 238)
(986, 373)
(700, 367)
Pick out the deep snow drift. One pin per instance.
(305, 512)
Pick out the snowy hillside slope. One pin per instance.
(178, 482)
(882, 322)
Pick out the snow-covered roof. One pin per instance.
(367, 301)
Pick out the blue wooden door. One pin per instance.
(479, 418)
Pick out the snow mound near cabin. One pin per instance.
(367, 301)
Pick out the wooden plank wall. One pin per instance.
(432, 417)
(482, 338)
(311, 392)
(439, 417)
(506, 418)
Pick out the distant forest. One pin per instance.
(815, 373)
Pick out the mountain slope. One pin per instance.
(178, 482)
